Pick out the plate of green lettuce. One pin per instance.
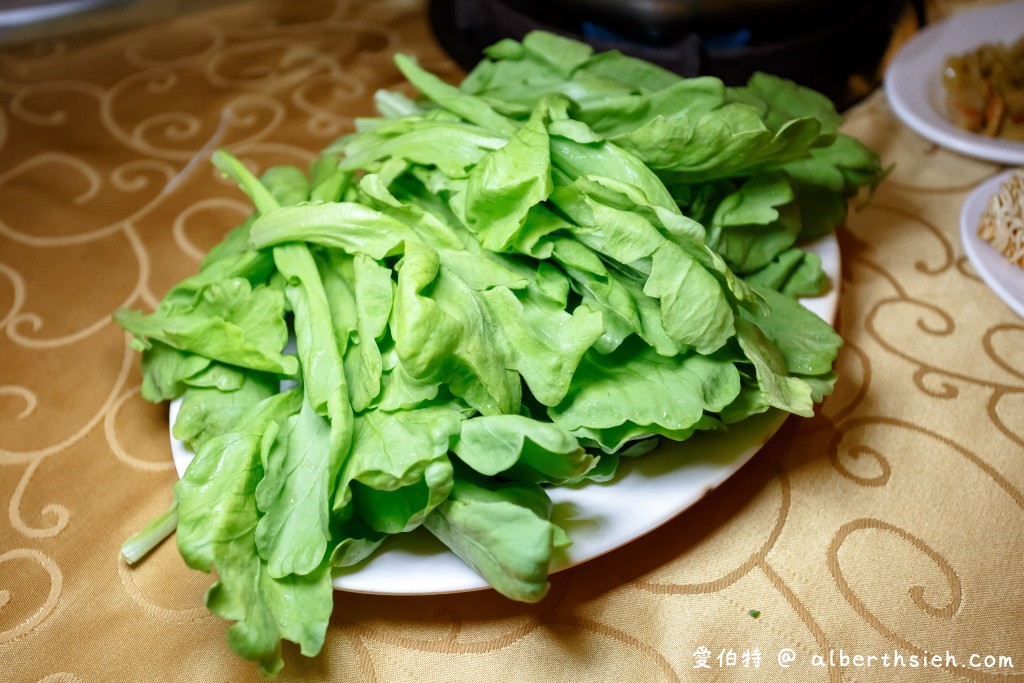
(503, 327)
(599, 514)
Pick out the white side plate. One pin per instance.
(913, 80)
(1003, 277)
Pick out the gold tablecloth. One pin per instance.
(888, 526)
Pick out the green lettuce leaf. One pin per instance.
(634, 391)
(449, 97)
(229, 321)
(211, 410)
(166, 371)
(217, 530)
(301, 470)
(507, 183)
(794, 272)
(374, 294)
(398, 469)
(757, 222)
(503, 531)
(807, 344)
(777, 387)
(520, 448)
(294, 495)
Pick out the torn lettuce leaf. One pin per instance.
(228, 321)
(522, 449)
(502, 530)
(218, 517)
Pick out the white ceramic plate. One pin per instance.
(913, 80)
(1003, 277)
(646, 493)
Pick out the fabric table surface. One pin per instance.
(886, 528)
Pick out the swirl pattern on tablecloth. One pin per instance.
(856, 529)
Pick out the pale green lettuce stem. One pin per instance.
(139, 545)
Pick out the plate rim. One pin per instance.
(911, 96)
